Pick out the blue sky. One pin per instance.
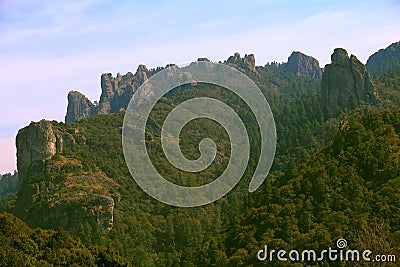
(50, 47)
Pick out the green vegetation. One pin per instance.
(350, 189)
(23, 246)
(389, 87)
(9, 184)
(336, 178)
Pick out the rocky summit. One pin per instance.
(116, 93)
(245, 64)
(385, 60)
(36, 143)
(79, 106)
(345, 84)
(50, 195)
(302, 65)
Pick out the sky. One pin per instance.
(48, 47)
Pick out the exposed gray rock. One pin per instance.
(248, 63)
(36, 143)
(345, 84)
(116, 92)
(49, 200)
(303, 65)
(385, 60)
(79, 106)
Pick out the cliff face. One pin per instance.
(79, 106)
(345, 84)
(385, 60)
(55, 192)
(302, 65)
(37, 143)
(116, 92)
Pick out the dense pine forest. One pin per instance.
(332, 177)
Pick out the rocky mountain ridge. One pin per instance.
(116, 92)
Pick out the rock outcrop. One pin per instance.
(116, 92)
(62, 203)
(248, 63)
(36, 143)
(385, 60)
(79, 106)
(302, 65)
(345, 84)
(55, 191)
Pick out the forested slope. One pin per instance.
(331, 178)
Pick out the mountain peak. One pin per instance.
(345, 84)
(79, 106)
(385, 60)
(303, 65)
(116, 93)
(340, 56)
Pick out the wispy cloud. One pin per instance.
(34, 23)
